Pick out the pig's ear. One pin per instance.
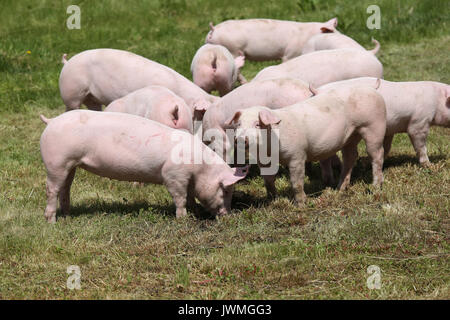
(239, 61)
(268, 118)
(329, 26)
(234, 118)
(234, 175)
(175, 115)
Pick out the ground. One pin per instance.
(127, 241)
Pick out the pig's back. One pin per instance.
(110, 74)
(326, 66)
(115, 145)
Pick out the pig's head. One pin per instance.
(216, 191)
(442, 116)
(329, 26)
(249, 122)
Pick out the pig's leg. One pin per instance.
(327, 171)
(297, 175)
(349, 156)
(56, 178)
(72, 96)
(387, 145)
(64, 193)
(418, 137)
(179, 193)
(374, 139)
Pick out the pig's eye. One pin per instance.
(257, 125)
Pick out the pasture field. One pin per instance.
(127, 241)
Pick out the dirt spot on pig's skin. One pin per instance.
(83, 118)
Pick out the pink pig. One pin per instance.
(214, 68)
(98, 77)
(412, 107)
(266, 39)
(321, 67)
(155, 103)
(131, 148)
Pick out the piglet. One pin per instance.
(266, 39)
(131, 148)
(155, 103)
(412, 107)
(98, 77)
(214, 68)
(316, 129)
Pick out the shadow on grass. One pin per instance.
(118, 207)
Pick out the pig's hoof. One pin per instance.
(51, 220)
(426, 164)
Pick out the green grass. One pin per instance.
(127, 241)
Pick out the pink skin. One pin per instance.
(252, 36)
(319, 127)
(132, 148)
(214, 68)
(321, 67)
(98, 77)
(335, 40)
(412, 107)
(274, 94)
(155, 103)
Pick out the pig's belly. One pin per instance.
(326, 139)
(124, 168)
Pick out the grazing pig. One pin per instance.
(335, 40)
(321, 67)
(100, 76)
(411, 107)
(214, 68)
(273, 93)
(131, 148)
(266, 39)
(317, 128)
(155, 103)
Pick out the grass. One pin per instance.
(127, 241)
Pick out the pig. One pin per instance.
(317, 128)
(335, 40)
(321, 67)
(214, 68)
(155, 103)
(131, 148)
(266, 39)
(99, 76)
(274, 94)
(412, 107)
